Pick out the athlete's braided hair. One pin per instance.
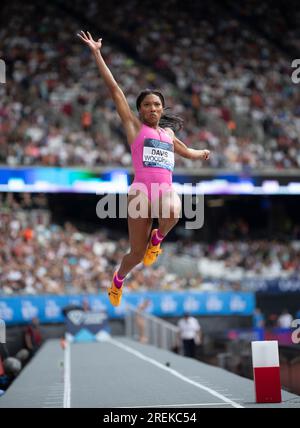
(167, 120)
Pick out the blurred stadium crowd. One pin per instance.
(38, 256)
(221, 67)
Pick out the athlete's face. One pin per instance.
(151, 110)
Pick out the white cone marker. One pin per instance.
(266, 370)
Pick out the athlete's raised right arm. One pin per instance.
(129, 120)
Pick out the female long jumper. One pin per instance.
(153, 143)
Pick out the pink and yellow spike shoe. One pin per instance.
(114, 293)
(152, 252)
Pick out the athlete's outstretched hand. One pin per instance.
(88, 39)
(204, 154)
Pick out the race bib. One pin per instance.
(158, 154)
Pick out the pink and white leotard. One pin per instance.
(153, 161)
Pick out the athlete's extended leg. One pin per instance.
(168, 210)
(169, 213)
(139, 231)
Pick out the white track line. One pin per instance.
(67, 375)
(175, 373)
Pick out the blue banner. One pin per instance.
(85, 326)
(276, 285)
(18, 310)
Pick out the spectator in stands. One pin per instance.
(33, 336)
(258, 319)
(141, 321)
(285, 319)
(190, 334)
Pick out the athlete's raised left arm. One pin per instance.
(182, 150)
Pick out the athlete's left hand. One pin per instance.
(204, 154)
